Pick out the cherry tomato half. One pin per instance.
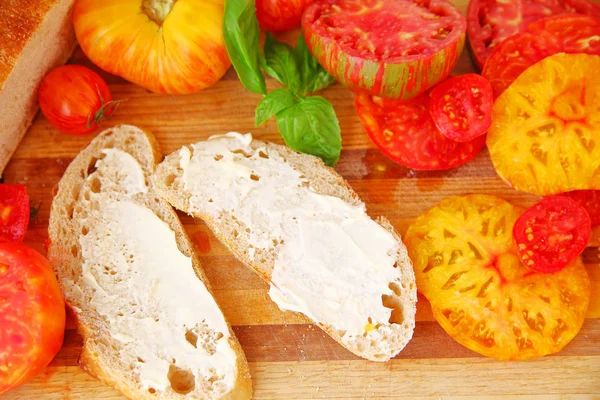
(590, 200)
(74, 99)
(552, 233)
(280, 15)
(404, 131)
(461, 107)
(14, 212)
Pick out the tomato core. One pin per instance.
(157, 10)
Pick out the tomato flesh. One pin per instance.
(467, 265)
(567, 33)
(544, 136)
(490, 22)
(552, 233)
(590, 200)
(32, 314)
(74, 99)
(388, 48)
(280, 15)
(404, 131)
(461, 107)
(14, 212)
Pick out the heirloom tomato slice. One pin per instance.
(461, 107)
(467, 266)
(545, 134)
(388, 48)
(590, 200)
(567, 33)
(14, 212)
(490, 22)
(552, 233)
(404, 131)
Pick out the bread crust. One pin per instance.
(93, 359)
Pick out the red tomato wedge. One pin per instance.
(14, 212)
(567, 33)
(461, 107)
(552, 233)
(404, 131)
(590, 200)
(388, 48)
(490, 22)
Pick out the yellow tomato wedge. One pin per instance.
(467, 266)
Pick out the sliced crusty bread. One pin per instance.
(150, 327)
(258, 162)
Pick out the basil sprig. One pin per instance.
(307, 123)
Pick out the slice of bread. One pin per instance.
(239, 186)
(150, 326)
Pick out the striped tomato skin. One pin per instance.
(399, 69)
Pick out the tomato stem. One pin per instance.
(157, 10)
(105, 110)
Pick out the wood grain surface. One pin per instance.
(290, 358)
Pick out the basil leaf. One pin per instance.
(276, 101)
(311, 126)
(241, 34)
(279, 62)
(313, 77)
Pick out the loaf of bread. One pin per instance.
(35, 37)
(150, 325)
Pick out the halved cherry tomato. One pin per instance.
(567, 33)
(590, 200)
(544, 137)
(490, 22)
(32, 314)
(467, 266)
(404, 131)
(280, 15)
(461, 107)
(551, 234)
(388, 48)
(14, 212)
(74, 99)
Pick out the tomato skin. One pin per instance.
(280, 15)
(552, 233)
(401, 76)
(14, 212)
(177, 51)
(461, 107)
(33, 311)
(590, 200)
(74, 99)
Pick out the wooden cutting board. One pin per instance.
(290, 358)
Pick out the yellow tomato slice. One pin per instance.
(467, 266)
(545, 134)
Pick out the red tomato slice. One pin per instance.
(389, 48)
(461, 107)
(552, 233)
(404, 131)
(490, 22)
(14, 212)
(590, 200)
(567, 33)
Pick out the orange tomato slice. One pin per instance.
(467, 266)
(545, 134)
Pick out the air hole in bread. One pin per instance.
(248, 231)
(109, 144)
(262, 154)
(396, 264)
(218, 157)
(140, 360)
(393, 302)
(191, 337)
(236, 234)
(210, 200)
(92, 166)
(213, 379)
(129, 140)
(182, 380)
(254, 177)
(394, 287)
(151, 390)
(156, 200)
(74, 250)
(70, 210)
(170, 179)
(242, 152)
(95, 185)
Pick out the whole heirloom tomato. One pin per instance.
(165, 46)
(32, 314)
(280, 15)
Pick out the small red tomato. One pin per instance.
(74, 99)
(280, 15)
(461, 107)
(32, 314)
(14, 212)
(552, 233)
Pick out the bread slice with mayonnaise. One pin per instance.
(150, 325)
(300, 226)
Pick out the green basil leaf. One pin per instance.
(313, 77)
(276, 101)
(311, 126)
(279, 62)
(241, 34)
